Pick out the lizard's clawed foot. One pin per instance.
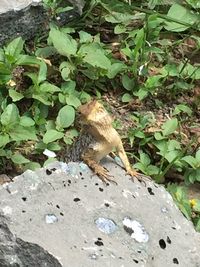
(103, 174)
(140, 177)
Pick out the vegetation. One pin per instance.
(137, 57)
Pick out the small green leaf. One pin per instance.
(126, 98)
(128, 83)
(19, 159)
(63, 42)
(15, 95)
(144, 159)
(20, 133)
(4, 139)
(169, 126)
(65, 117)
(49, 88)
(15, 47)
(26, 121)
(10, 116)
(85, 37)
(73, 101)
(32, 166)
(51, 136)
(190, 160)
(98, 59)
(115, 69)
(182, 108)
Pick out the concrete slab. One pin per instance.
(70, 214)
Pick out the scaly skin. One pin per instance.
(98, 123)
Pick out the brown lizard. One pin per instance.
(98, 139)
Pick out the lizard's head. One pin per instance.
(94, 112)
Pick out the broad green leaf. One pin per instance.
(47, 87)
(28, 60)
(190, 160)
(19, 159)
(128, 83)
(51, 136)
(144, 158)
(98, 59)
(66, 116)
(85, 37)
(48, 161)
(20, 133)
(10, 116)
(4, 139)
(15, 47)
(197, 156)
(32, 166)
(126, 98)
(120, 29)
(183, 14)
(42, 75)
(16, 96)
(63, 42)
(152, 170)
(115, 69)
(72, 100)
(182, 108)
(44, 98)
(45, 52)
(26, 121)
(169, 126)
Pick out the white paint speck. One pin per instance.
(49, 153)
(7, 210)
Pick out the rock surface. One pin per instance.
(27, 18)
(68, 216)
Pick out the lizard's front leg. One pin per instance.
(92, 157)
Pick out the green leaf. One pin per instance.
(4, 139)
(190, 160)
(20, 133)
(51, 136)
(63, 42)
(182, 108)
(98, 59)
(42, 98)
(15, 95)
(144, 159)
(42, 75)
(10, 116)
(49, 88)
(126, 98)
(66, 116)
(26, 121)
(115, 69)
(19, 159)
(128, 83)
(183, 14)
(32, 166)
(15, 47)
(169, 126)
(72, 100)
(197, 156)
(85, 37)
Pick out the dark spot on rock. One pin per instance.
(82, 178)
(57, 206)
(53, 169)
(69, 181)
(162, 243)
(107, 205)
(133, 196)
(76, 199)
(98, 243)
(128, 230)
(99, 238)
(136, 261)
(85, 185)
(120, 258)
(150, 191)
(61, 214)
(24, 198)
(96, 184)
(100, 189)
(48, 172)
(169, 240)
(139, 251)
(107, 184)
(80, 173)
(23, 211)
(173, 227)
(175, 261)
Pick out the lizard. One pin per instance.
(98, 138)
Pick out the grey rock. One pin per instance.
(73, 216)
(28, 18)
(18, 253)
